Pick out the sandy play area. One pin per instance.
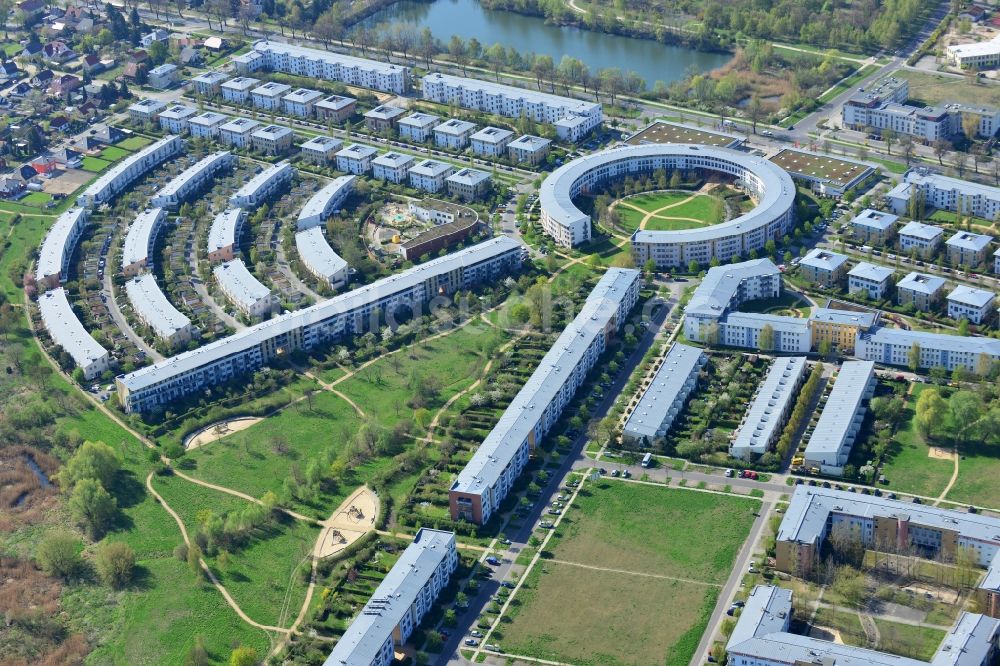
(219, 430)
(351, 521)
(938, 453)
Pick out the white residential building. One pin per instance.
(840, 422)
(301, 102)
(207, 124)
(57, 249)
(978, 55)
(453, 133)
(892, 346)
(238, 90)
(664, 399)
(174, 118)
(429, 175)
(124, 173)
(356, 159)
(923, 238)
(268, 95)
(65, 329)
(326, 202)
(224, 235)
(151, 306)
(510, 101)
(243, 290)
(140, 240)
(945, 193)
(791, 335)
(236, 133)
(772, 404)
(723, 289)
(869, 279)
(874, 227)
(321, 149)
(164, 76)
(529, 149)
(392, 167)
(319, 258)
(263, 186)
(347, 315)
(418, 126)
(970, 303)
(399, 603)
(923, 290)
(302, 61)
(192, 180)
(491, 141)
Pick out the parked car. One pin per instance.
(471, 642)
(492, 561)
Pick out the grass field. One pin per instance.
(659, 543)
(598, 618)
(909, 640)
(938, 89)
(94, 164)
(910, 468)
(134, 143)
(113, 153)
(683, 210)
(978, 471)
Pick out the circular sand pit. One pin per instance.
(219, 430)
(939, 453)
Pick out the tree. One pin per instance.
(765, 341)
(59, 555)
(940, 149)
(888, 135)
(967, 411)
(907, 146)
(93, 460)
(115, 564)
(692, 266)
(913, 357)
(930, 412)
(243, 656)
(92, 506)
(963, 327)
(194, 560)
(970, 125)
(961, 163)
(158, 52)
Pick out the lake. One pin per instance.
(466, 18)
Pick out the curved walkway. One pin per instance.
(211, 576)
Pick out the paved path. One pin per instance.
(951, 482)
(122, 323)
(286, 269)
(732, 585)
(206, 298)
(633, 573)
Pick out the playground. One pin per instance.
(351, 521)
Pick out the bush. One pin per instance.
(243, 656)
(93, 460)
(116, 564)
(93, 507)
(59, 555)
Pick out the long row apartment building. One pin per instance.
(351, 313)
(488, 477)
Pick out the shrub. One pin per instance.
(59, 555)
(116, 564)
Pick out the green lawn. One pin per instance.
(664, 531)
(978, 471)
(36, 199)
(94, 164)
(113, 153)
(910, 468)
(931, 88)
(662, 543)
(134, 143)
(686, 210)
(908, 640)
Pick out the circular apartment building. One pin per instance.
(769, 185)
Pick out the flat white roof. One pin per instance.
(180, 183)
(843, 403)
(66, 330)
(272, 132)
(922, 177)
(491, 134)
(468, 177)
(529, 142)
(209, 118)
(977, 298)
(259, 182)
(240, 284)
(385, 112)
(420, 119)
(303, 95)
(875, 219)
(316, 253)
(178, 112)
(223, 230)
(317, 203)
(152, 306)
(241, 83)
(144, 227)
(511, 92)
(970, 241)
(346, 302)
(522, 414)
(357, 151)
(987, 48)
(866, 271)
(718, 288)
(921, 283)
(776, 392)
(336, 102)
(431, 168)
(927, 232)
(147, 105)
(271, 89)
(823, 259)
(394, 160)
(240, 125)
(677, 367)
(56, 245)
(211, 77)
(454, 127)
(294, 51)
(321, 143)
